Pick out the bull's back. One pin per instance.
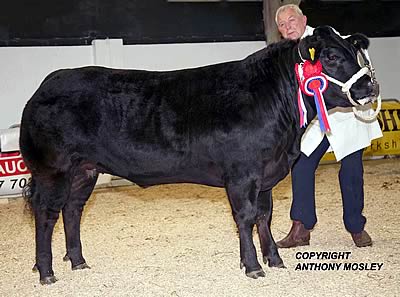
(75, 90)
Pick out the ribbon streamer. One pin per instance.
(312, 83)
(300, 100)
(315, 86)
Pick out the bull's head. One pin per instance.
(349, 83)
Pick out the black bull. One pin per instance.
(232, 125)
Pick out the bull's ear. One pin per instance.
(360, 41)
(317, 41)
(310, 48)
(323, 31)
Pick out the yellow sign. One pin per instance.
(389, 120)
(389, 144)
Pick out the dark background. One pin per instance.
(76, 22)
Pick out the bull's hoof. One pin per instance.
(35, 268)
(274, 263)
(48, 280)
(76, 267)
(253, 274)
(256, 274)
(81, 266)
(278, 265)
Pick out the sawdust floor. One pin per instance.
(180, 240)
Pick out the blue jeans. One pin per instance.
(351, 186)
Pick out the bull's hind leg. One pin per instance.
(50, 195)
(264, 215)
(243, 199)
(44, 225)
(82, 186)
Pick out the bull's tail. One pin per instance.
(29, 193)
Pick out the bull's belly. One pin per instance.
(201, 178)
(156, 175)
(148, 181)
(172, 168)
(209, 176)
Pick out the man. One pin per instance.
(348, 138)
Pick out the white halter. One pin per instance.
(365, 69)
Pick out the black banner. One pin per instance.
(75, 22)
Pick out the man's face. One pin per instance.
(290, 24)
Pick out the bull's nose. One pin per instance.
(375, 89)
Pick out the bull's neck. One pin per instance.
(283, 59)
(278, 68)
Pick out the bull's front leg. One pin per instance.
(267, 242)
(44, 226)
(243, 198)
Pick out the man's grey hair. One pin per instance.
(285, 7)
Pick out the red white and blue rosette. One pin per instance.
(315, 86)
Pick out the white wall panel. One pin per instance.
(23, 68)
(186, 55)
(385, 56)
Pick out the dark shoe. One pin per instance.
(298, 236)
(361, 239)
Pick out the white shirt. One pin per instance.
(348, 133)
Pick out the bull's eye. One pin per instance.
(332, 57)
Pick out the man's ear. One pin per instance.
(360, 41)
(304, 21)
